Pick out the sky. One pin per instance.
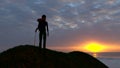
(72, 23)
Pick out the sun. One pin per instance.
(94, 47)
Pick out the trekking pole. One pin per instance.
(34, 38)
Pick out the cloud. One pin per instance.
(72, 19)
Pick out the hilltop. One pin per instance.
(28, 56)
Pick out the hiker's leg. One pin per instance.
(44, 39)
(40, 40)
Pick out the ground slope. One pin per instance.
(28, 56)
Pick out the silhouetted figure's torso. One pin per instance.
(42, 25)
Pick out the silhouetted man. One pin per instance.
(43, 30)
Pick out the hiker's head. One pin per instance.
(43, 17)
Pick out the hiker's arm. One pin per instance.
(38, 20)
(37, 26)
(36, 29)
(47, 30)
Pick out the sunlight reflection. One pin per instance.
(95, 55)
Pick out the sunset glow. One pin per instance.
(94, 47)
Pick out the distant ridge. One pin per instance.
(28, 56)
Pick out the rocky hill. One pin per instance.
(28, 56)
